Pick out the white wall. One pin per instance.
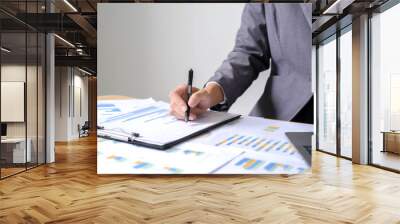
(33, 126)
(70, 83)
(145, 50)
(18, 73)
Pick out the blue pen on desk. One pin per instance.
(189, 93)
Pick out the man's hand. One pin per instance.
(200, 101)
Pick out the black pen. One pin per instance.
(189, 93)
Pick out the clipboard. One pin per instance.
(137, 139)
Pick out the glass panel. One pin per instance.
(41, 98)
(31, 99)
(327, 96)
(32, 90)
(346, 94)
(13, 87)
(385, 84)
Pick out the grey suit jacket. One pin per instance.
(275, 36)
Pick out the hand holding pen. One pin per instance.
(184, 103)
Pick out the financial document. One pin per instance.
(153, 122)
(249, 145)
(187, 158)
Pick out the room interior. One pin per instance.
(48, 170)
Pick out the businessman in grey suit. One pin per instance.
(271, 36)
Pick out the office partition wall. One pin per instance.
(385, 87)
(23, 88)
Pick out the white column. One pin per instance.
(50, 99)
(360, 90)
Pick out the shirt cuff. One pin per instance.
(222, 89)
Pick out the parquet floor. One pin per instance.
(69, 191)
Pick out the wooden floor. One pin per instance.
(70, 191)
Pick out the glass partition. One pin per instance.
(23, 89)
(385, 89)
(346, 93)
(41, 109)
(327, 95)
(13, 109)
(31, 98)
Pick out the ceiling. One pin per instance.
(76, 22)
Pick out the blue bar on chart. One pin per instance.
(130, 114)
(273, 166)
(257, 143)
(142, 165)
(249, 164)
(173, 169)
(193, 152)
(117, 158)
(143, 112)
(107, 107)
(225, 140)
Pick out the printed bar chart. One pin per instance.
(173, 169)
(193, 152)
(142, 165)
(257, 143)
(249, 164)
(117, 158)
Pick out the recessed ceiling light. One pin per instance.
(5, 50)
(84, 71)
(338, 6)
(64, 40)
(70, 5)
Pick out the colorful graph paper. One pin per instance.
(117, 158)
(142, 165)
(257, 143)
(249, 164)
(192, 152)
(173, 169)
(273, 166)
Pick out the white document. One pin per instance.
(248, 145)
(261, 138)
(155, 125)
(109, 108)
(188, 158)
(252, 162)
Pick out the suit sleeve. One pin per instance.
(249, 57)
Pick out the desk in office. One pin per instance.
(262, 142)
(391, 141)
(16, 154)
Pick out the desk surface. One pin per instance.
(251, 130)
(13, 140)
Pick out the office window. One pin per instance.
(346, 92)
(327, 95)
(385, 89)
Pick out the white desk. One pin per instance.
(18, 150)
